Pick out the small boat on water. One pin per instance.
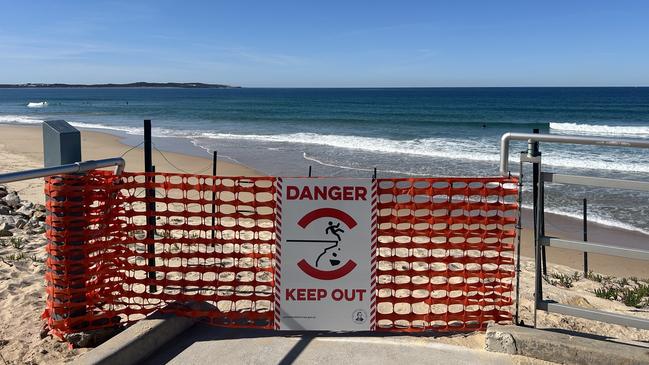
(40, 104)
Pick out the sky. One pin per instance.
(274, 43)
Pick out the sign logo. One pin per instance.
(324, 271)
(330, 255)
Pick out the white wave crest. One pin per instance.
(40, 104)
(20, 119)
(601, 129)
(592, 217)
(431, 147)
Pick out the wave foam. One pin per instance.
(20, 119)
(429, 147)
(601, 129)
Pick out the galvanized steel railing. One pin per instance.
(541, 240)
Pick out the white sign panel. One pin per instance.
(325, 273)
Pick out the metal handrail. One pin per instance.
(588, 140)
(72, 168)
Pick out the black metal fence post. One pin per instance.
(536, 177)
(585, 236)
(214, 158)
(150, 205)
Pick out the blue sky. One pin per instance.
(275, 43)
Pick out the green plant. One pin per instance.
(17, 242)
(607, 292)
(635, 297)
(558, 279)
(597, 277)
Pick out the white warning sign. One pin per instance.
(324, 276)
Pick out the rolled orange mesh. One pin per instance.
(445, 250)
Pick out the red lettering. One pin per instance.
(301, 294)
(310, 294)
(360, 293)
(348, 295)
(306, 194)
(290, 294)
(348, 193)
(326, 193)
(334, 192)
(337, 294)
(320, 193)
(292, 192)
(361, 193)
(322, 293)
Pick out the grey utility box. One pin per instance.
(61, 143)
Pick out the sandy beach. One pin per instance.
(22, 293)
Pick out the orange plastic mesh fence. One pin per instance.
(445, 250)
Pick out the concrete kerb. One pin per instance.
(137, 342)
(562, 348)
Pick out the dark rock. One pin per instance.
(5, 230)
(12, 200)
(20, 223)
(4, 210)
(3, 193)
(39, 215)
(25, 211)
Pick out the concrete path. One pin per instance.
(204, 344)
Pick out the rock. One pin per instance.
(3, 342)
(502, 342)
(20, 223)
(39, 208)
(5, 230)
(39, 215)
(28, 205)
(4, 210)
(12, 199)
(44, 351)
(3, 193)
(79, 339)
(8, 219)
(25, 212)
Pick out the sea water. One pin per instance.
(400, 132)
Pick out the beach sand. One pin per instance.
(22, 296)
(22, 148)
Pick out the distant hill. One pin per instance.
(184, 85)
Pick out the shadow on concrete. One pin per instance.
(203, 333)
(640, 344)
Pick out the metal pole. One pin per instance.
(309, 170)
(533, 151)
(538, 283)
(553, 138)
(214, 158)
(374, 175)
(585, 236)
(150, 205)
(71, 168)
(519, 227)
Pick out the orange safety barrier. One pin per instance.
(445, 250)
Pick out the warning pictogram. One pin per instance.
(325, 270)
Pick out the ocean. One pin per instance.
(400, 132)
